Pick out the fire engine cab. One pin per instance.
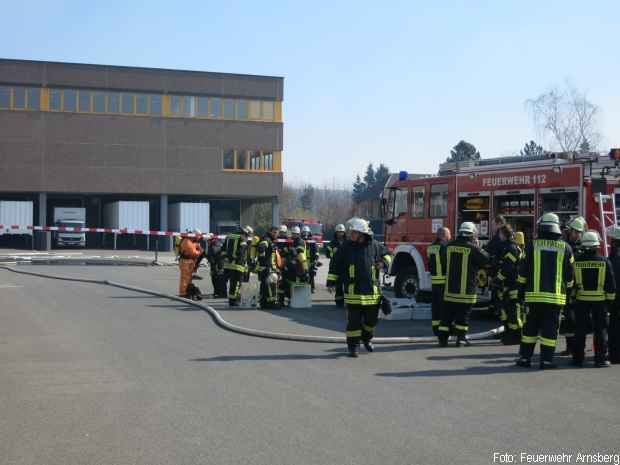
(520, 189)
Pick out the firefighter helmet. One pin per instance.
(520, 238)
(578, 224)
(295, 230)
(590, 240)
(468, 229)
(550, 223)
(305, 229)
(283, 229)
(359, 225)
(614, 232)
(340, 228)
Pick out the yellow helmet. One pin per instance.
(520, 238)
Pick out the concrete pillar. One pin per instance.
(165, 243)
(42, 239)
(275, 211)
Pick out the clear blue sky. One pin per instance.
(393, 82)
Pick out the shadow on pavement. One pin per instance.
(470, 356)
(467, 371)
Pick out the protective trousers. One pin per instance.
(339, 295)
(268, 291)
(436, 305)
(541, 325)
(614, 334)
(457, 314)
(186, 267)
(361, 323)
(234, 278)
(513, 323)
(596, 313)
(218, 279)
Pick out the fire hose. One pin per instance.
(224, 324)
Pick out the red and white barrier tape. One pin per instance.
(129, 231)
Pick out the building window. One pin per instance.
(69, 100)
(417, 202)
(5, 98)
(175, 104)
(113, 103)
(268, 111)
(34, 98)
(142, 104)
(229, 109)
(55, 100)
(216, 107)
(203, 106)
(19, 98)
(189, 106)
(127, 103)
(156, 105)
(242, 160)
(242, 109)
(229, 160)
(268, 161)
(99, 102)
(438, 201)
(84, 99)
(254, 109)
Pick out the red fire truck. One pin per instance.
(415, 206)
(316, 228)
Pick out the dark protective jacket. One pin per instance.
(508, 268)
(463, 260)
(236, 248)
(436, 254)
(312, 252)
(266, 255)
(494, 249)
(547, 272)
(215, 252)
(355, 265)
(614, 259)
(333, 246)
(594, 278)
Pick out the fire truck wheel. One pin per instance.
(406, 283)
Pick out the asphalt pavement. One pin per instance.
(97, 375)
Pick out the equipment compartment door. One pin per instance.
(475, 207)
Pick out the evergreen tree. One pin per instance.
(531, 149)
(463, 151)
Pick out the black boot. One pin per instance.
(443, 342)
(353, 351)
(523, 362)
(368, 346)
(546, 365)
(602, 364)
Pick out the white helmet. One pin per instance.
(295, 230)
(468, 229)
(359, 225)
(340, 228)
(614, 232)
(283, 228)
(305, 229)
(578, 224)
(590, 240)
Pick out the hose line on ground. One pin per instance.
(222, 323)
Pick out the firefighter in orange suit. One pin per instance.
(189, 251)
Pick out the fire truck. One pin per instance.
(520, 189)
(316, 228)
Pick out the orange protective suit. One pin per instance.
(190, 251)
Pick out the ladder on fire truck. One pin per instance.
(607, 218)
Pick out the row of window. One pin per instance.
(399, 200)
(251, 160)
(131, 103)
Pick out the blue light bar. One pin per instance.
(402, 176)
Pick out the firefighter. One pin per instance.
(267, 269)
(296, 262)
(494, 249)
(595, 288)
(464, 259)
(614, 308)
(282, 246)
(357, 265)
(189, 251)
(235, 266)
(508, 269)
(546, 275)
(572, 234)
(332, 249)
(436, 254)
(312, 254)
(201, 239)
(216, 255)
(252, 250)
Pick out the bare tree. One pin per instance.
(567, 116)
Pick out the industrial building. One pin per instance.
(82, 135)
